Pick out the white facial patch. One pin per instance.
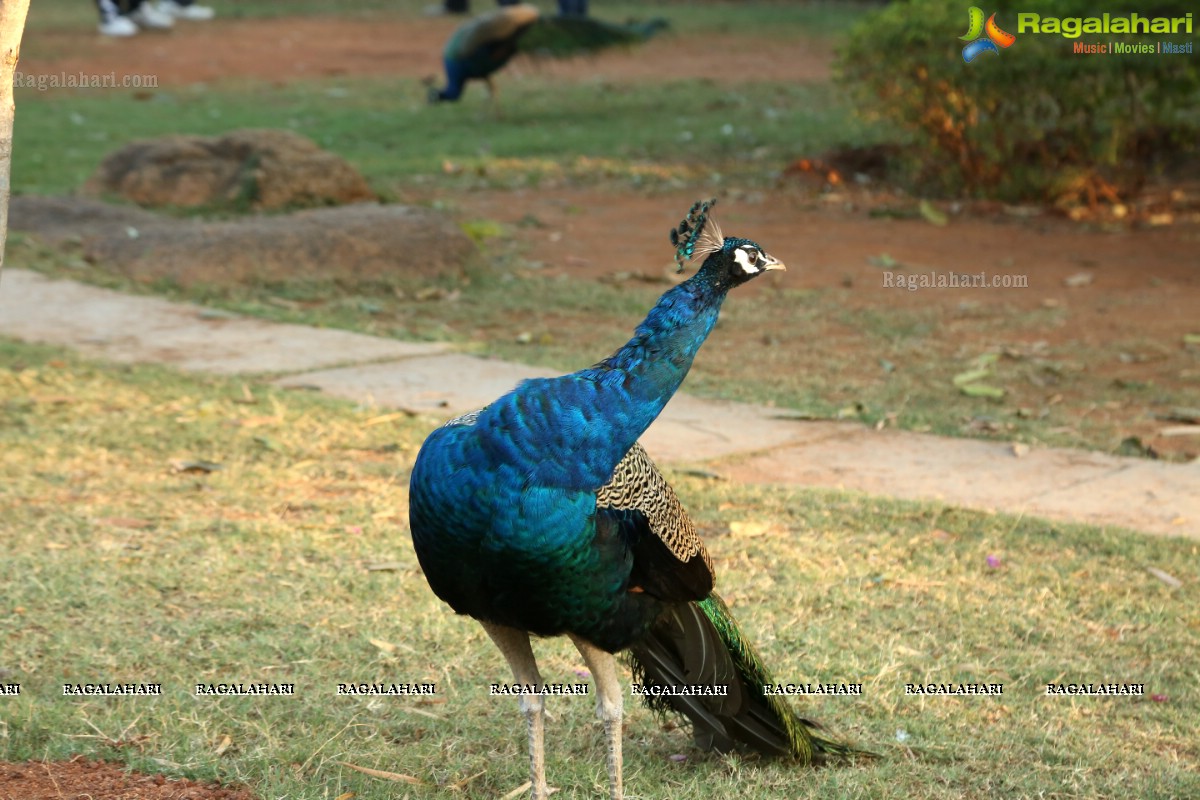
(746, 259)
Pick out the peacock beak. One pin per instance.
(773, 263)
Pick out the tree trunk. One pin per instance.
(12, 26)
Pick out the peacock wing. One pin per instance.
(485, 29)
(669, 559)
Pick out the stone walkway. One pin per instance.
(743, 442)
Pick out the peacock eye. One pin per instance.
(753, 256)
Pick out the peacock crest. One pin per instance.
(698, 234)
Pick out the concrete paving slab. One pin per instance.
(451, 384)
(445, 385)
(126, 328)
(748, 443)
(691, 430)
(1058, 483)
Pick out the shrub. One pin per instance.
(1035, 121)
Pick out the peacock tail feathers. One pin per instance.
(701, 644)
(807, 742)
(567, 36)
(698, 234)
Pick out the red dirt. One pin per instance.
(80, 779)
(284, 50)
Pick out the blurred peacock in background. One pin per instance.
(541, 514)
(483, 45)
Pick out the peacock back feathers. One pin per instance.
(483, 45)
(564, 37)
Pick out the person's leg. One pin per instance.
(185, 9)
(112, 21)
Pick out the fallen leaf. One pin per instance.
(383, 774)
(1180, 430)
(1079, 279)
(1165, 577)
(225, 743)
(971, 376)
(386, 647)
(183, 465)
(883, 261)
(931, 214)
(258, 421)
(385, 566)
(985, 359)
(517, 792)
(458, 786)
(982, 390)
(752, 528)
(422, 712)
(1019, 449)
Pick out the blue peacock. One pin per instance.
(483, 45)
(541, 514)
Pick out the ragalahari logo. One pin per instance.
(991, 42)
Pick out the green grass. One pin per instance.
(386, 129)
(771, 18)
(119, 568)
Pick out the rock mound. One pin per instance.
(354, 245)
(243, 170)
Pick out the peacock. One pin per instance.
(541, 514)
(483, 45)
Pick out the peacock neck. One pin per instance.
(649, 368)
(571, 431)
(664, 344)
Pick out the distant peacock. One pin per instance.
(483, 45)
(541, 514)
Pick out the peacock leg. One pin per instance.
(494, 97)
(514, 644)
(608, 706)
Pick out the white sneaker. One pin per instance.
(118, 26)
(191, 12)
(146, 16)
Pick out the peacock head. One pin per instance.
(733, 260)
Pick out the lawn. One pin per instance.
(182, 530)
(159, 527)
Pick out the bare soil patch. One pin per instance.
(80, 779)
(353, 246)
(286, 50)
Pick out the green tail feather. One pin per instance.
(563, 37)
(701, 644)
(806, 740)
